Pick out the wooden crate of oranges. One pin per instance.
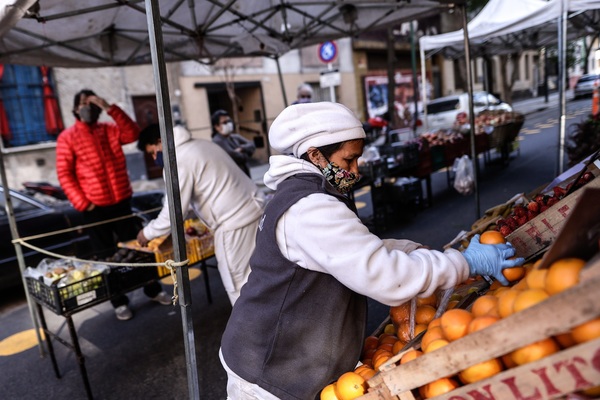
(538, 338)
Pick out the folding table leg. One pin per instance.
(80, 358)
(204, 270)
(48, 336)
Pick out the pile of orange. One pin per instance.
(529, 286)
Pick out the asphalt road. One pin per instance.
(145, 357)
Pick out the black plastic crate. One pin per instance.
(72, 297)
(125, 279)
(400, 156)
(373, 170)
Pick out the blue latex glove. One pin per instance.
(491, 259)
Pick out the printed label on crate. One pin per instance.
(86, 298)
(569, 371)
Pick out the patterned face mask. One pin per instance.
(341, 179)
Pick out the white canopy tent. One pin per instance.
(508, 26)
(97, 33)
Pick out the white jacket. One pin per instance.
(320, 233)
(210, 182)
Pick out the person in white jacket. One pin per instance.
(226, 200)
(300, 320)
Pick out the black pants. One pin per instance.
(104, 238)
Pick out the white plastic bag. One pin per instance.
(464, 180)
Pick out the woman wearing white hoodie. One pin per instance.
(220, 194)
(300, 320)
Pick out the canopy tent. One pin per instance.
(86, 33)
(508, 26)
(96, 33)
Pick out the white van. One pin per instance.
(442, 112)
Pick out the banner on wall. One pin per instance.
(376, 97)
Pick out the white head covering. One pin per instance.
(301, 126)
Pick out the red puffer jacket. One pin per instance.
(90, 162)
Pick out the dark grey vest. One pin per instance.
(293, 331)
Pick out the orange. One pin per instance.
(508, 361)
(496, 292)
(350, 386)
(420, 328)
(593, 392)
(386, 346)
(368, 354)
(410, 355)
(479, 323)
(434, 345)
(438, 387)
(563, 274)
(371, 342)
(381, 353)
(485, 305)
(424, 314)
(496, 285)
(521, 285)
(455, 322)
(387, 339)
(430, 335)
(528, 298)
(429, 300)
(534, 351)
(565, 340)
(365, 371)
(586, 331)
(328, 392)
(506, 301)
(400, 313)
(398, 346)
(492, 237)
(480, 371)
(536, 279)
(434, 323)
(380, 361)
(513, 274)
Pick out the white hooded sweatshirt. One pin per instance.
(223, 197)
(321, 233)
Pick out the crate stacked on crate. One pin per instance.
(65, 286)
(538, 338)
(502, 128)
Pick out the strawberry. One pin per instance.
(505, 230)
(533, 206)
(531, 214)
(522, 220)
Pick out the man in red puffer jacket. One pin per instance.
(92, 170)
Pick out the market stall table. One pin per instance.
(73, 298)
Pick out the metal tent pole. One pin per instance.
(471, 110)
(285, 103)
(562, 67)
(172, 187)
(424, 88)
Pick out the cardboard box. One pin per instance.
(535, 236)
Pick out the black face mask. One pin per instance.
(90, 113)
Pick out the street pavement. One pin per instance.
(145, 357)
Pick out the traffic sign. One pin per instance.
(327, 51)
(330, 78)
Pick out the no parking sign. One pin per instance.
(327, 51)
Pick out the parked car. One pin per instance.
(442, 112)
(585, 85)
(35, 217)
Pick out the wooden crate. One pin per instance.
(535, 236)
(570, 370)
(573, 369)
